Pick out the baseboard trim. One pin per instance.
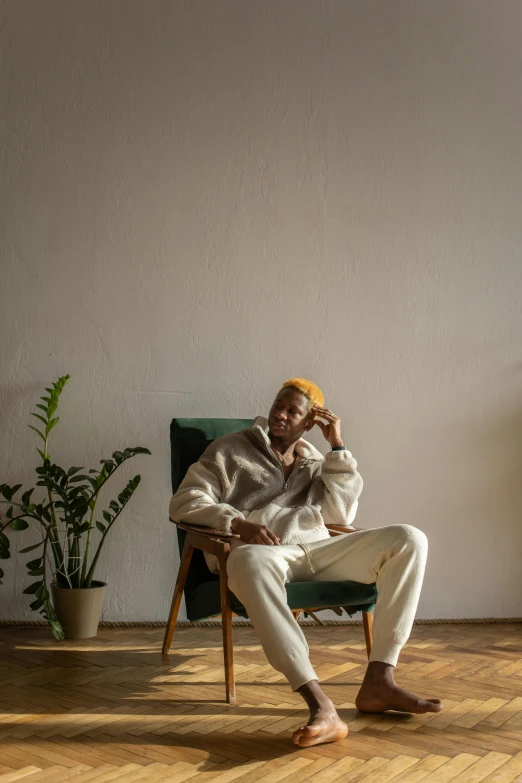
(239, 623)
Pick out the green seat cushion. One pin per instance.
(204, 601)
(321, 595)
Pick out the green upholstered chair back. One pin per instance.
(190, 437)
(188, 440)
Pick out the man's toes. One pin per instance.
(308, 732)
(308, 742)
(296, 736)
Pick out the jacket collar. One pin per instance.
(305, 450)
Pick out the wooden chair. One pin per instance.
(207, 594)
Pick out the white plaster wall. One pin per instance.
(203, 198)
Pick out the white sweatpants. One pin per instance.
(394, 557)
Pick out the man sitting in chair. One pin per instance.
(277, 493)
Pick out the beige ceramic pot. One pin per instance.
(79, 609)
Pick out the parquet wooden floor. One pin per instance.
(113, 709)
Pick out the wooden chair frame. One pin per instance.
(218, 544)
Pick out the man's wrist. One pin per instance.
(234, 525)
(337, 445)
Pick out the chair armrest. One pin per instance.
(336, 529)
(207, 540)
(203, 530)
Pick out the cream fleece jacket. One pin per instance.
(239, 475)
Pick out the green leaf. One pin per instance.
(30, 548)
(42, 592)
(9, 512)
(72, 471)
(40, 418)
(35, 563)
(114, 506)
(3, 539)
(140, 450)
(81, 477)
(37, 431)
(46, 399)
(36, 604)
(36, 571)
(4, 554)
(107, 517)
(42, 407)
(101, 527)
(52, 424)
(26, 497)
(49, 609)
(57, 630)
(19, 524)
(32, 588)
(9, 492)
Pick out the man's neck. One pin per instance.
(283, 446)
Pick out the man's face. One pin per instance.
(289, 416)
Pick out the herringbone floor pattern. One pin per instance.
(113, 709)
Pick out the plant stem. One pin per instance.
(21, 516)
(87, 545)
(55, 538)
(55, 542)
(90, 573)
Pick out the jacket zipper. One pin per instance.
(287, 480)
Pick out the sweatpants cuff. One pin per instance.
(385, 653)
(302, 675)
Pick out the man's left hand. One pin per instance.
(331, 428)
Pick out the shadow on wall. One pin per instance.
(497, 492)
(500, 443)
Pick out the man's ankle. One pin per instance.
(314, 696)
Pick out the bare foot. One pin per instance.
(324, 724)
(379, 692)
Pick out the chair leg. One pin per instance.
(186, 557)
(368, 625)
(226, 625)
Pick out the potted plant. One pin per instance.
(65, 516)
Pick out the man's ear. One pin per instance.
(310, 424)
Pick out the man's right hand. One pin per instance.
(253, 532)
